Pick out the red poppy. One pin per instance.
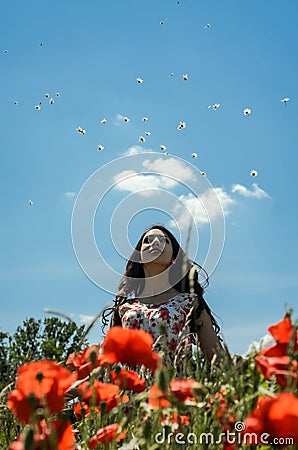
(183, 389)
(281, 366)
(157, 398)
(277, 416)
(57, 435)
(275, 361)
(39, 384)
(174, 418)
(84, 362)
(128, 380)
(99, 393)
(133, 347)
(283, 331)
(106, 435)
(81, 409)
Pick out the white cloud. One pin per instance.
(255, 346)
(214, 203)
(256, 192)
(144, 184)
(85, 319)
(135, 149)
(172, 167)
(70, 194)
(119, 117)
(169, 173)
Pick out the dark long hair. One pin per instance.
(181, 276)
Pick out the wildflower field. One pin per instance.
(121, 395)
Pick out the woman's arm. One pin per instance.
(208, 339)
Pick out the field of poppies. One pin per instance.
(121, 395)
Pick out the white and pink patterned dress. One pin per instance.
(172, 315)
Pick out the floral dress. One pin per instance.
(167, 322)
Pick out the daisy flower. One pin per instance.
(207, 26)
(185, 77)
(100, 147)
(285, 100)
(144, 119)
(172, 74)
(38, 107)
(47, 95)
(215, 106)
(51, 101)
(81, 130)
(203, 174)
(194, 155)
(253, 173)
(181, 125)
(126, 119)
(163, 147)
(142, 139)
(140, 80)
(147, 133)
(58, 94)
(103, 121)
(247, 111)
(30, 202)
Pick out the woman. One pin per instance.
(160, 294)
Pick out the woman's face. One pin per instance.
(156, 249)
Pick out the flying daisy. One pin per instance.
(215, 106)
(185, 77)
(140, 80)
(285, 100)
(144, 119)
(58, 94)
(253, 173)
(207, 26)
(147, 133)
(47, 95)
(103, 121)
(172, 74)
(247, 111)
(51, 101)
(38, 107)
(181, 125)
(100, 147)
(163, 147)
(194, 155)
(203, 174)
(142, 139)
(30, 202)
(81, 130)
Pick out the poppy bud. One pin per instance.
(29, 440)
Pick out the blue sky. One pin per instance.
(92, 54)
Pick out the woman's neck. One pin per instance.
(161, 297)
(156, 283)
